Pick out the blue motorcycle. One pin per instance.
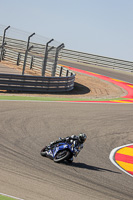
(61, 151)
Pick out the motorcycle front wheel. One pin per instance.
(43, 153)
(62, 155)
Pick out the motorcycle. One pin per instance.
(61, 151)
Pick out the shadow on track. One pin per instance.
(89, 167)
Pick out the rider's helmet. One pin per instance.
(82, 137)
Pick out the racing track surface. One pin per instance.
(25, 127)
(116, 74)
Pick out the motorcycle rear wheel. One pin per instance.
(62, 155)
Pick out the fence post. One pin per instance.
(31, 63)
(45, 57)
(61, 71)
(67, 72)
(56, 58)
(26, 52)
(18, 59)
(3, 43)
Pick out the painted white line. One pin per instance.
(112, 158)
(10, 196)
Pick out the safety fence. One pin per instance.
(35, 83)
(37, 54)
(14, 52)
(70, 55)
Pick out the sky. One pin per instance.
(101, 27)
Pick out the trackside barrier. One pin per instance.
(71, 55)
(65, 54)
(29, 83)
(14, 52)
(41, 59)
(34, 63)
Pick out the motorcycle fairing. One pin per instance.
(61, 146)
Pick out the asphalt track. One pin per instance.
(25, 127)
(113, 73)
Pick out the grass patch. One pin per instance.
(24, 98)
(5, 198)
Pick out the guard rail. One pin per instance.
(39, 84)
(76, 56)
(14, 52)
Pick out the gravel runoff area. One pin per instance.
(86, 87)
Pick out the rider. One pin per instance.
(76, 140)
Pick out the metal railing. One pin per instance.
(45, 48)
(81, 57)
(33, 62)
(38, 57)
(35, 83)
